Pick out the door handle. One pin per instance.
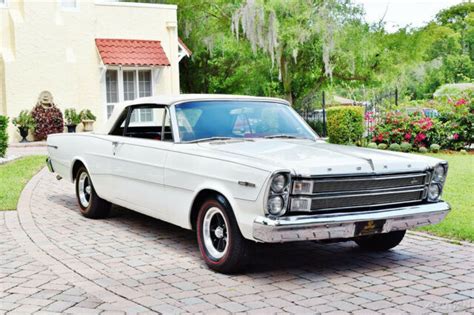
(114, 146)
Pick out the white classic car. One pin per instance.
(243, 169)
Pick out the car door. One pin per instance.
(139, 159)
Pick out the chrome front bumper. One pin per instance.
(342, 225)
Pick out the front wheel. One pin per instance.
(221, 244)
(380, 242)
(91, 205)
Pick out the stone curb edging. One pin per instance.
(31, 144)
(8, 159)
(439, 238)
(32, 239)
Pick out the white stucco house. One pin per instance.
(88, 54)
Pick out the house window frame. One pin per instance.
(120, 87)
(69, 9)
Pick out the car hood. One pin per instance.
(320, 158)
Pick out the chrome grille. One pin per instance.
(367, 182)
(347, 192)
(380, 199)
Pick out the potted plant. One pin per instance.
(72, 119)
(24, 122)
(87, 119)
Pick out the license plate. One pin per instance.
(368, 227)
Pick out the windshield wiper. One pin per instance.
(209, 139)
(283, 136)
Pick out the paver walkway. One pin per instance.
(54, 260)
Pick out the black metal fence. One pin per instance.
(375, 108)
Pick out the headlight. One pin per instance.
(278, 194)
(434, 192)
(439, 173)
(276, 205)
(437, 181)
(279, 183)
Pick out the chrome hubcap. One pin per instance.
(219, 232)
(215, 233)
(84, 187)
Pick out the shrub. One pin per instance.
(345, 124)
(48, 120)
(394, 147)
(316, 125)
(372, 145)
(382, 146)
(435, 148)
(457, 119)
(423, 150)
(406, 146)
(397, 127)
(3, 135)
(72, 117)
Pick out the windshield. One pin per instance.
(239, 119)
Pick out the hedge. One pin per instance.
(345, 124)
(316, 125)
(3, 135)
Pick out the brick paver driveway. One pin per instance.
(54, 260)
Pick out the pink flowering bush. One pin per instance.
(397, 127)
(457, 118)
(453, 129)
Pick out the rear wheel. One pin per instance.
(380, 242)
(221, 244)
(91, 205)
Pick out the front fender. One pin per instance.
(245, 211)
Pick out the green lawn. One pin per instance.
(14, 176)
(459, 192)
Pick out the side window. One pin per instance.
(117, 129)
(157, 128)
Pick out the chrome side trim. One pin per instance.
(337, 225)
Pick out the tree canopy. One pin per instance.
(296, 48)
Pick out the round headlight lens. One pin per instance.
(433, 192)
(275, 205)
(439, 173)
(278, 183)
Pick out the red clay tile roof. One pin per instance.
(131, 52)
